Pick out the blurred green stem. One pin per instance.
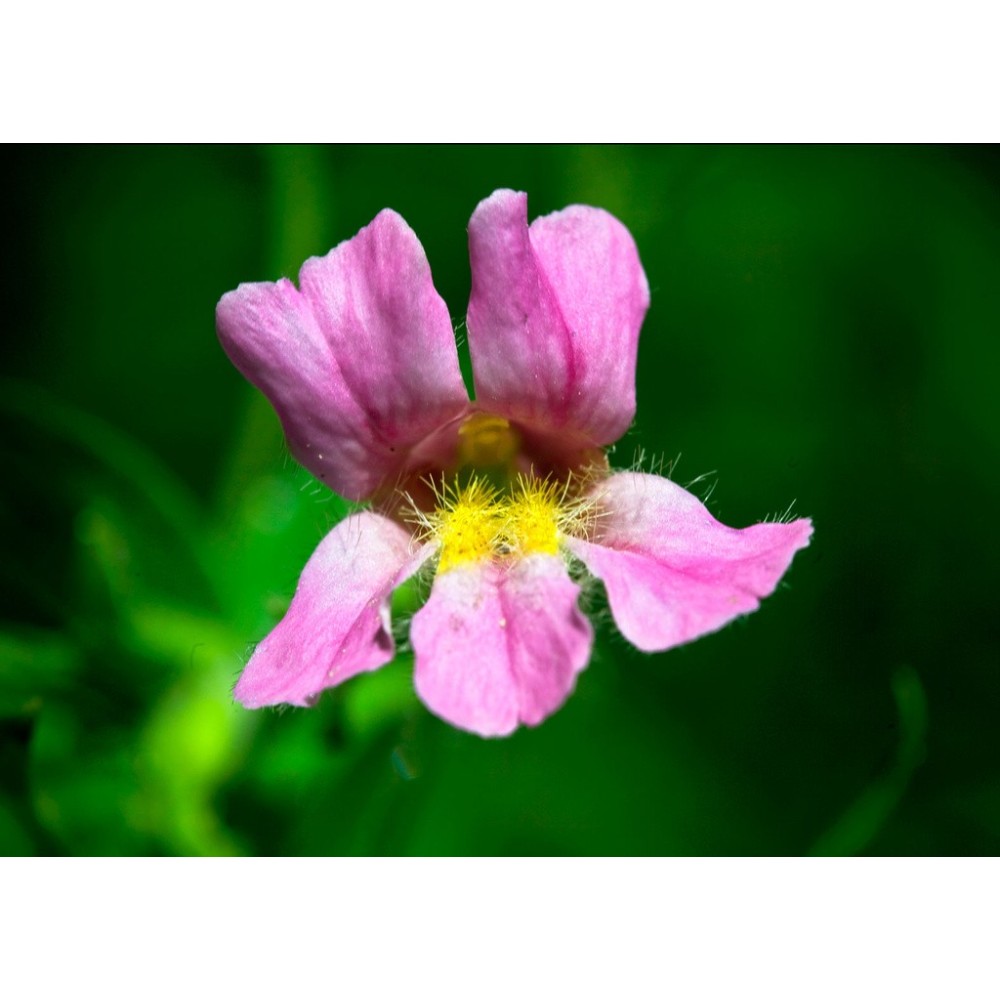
(299, 210)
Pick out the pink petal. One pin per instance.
(554, 317)
(361, 364)
(338, 622)
(500, 645)
(672, 572)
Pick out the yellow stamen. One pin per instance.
(533, 513)
(476, 522)
(466, 523)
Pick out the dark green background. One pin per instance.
(824, 329)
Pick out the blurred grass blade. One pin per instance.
(120, 454)
(860, 824)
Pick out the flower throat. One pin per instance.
(489, 510)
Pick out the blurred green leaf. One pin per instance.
(381, 699)
(264, 539)
(84, 786)
(34, 664)
(15, 841)
(192, 742)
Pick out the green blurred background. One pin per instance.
(824, 329)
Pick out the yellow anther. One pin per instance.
(477, 522)
(533, 515)
(466, 523)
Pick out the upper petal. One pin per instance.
(554, 317)
(500, 645)
(671, 571)
(361, 364)
(338, 622)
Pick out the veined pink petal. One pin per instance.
(500, 645)
(672, 572)
(338, 622)
(360, 365)
(554, 317)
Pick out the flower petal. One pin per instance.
(338, 622)
(672, 572)
(554, 317)
(361, 364)
(500, 645)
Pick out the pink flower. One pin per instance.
(500, 495)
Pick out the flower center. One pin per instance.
(476, 521)
(493, 505)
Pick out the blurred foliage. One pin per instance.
(824, 329)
